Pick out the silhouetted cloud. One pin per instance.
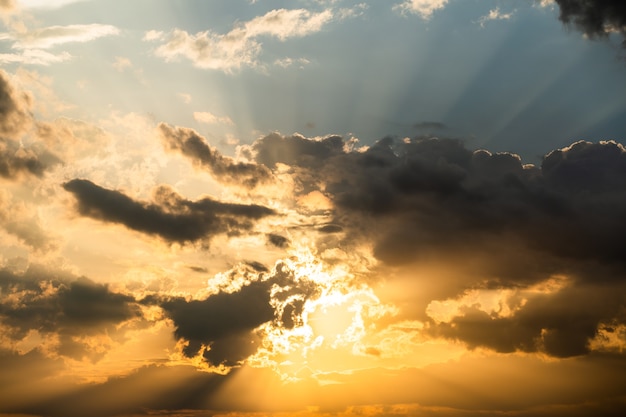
(53, 302)
(224, 327)
(595, 18)
(278, 240)
(505, 224)
(170, 216)
(224, 169)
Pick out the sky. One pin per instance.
(333, 208)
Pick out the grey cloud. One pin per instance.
(56, 303)
(296, 150)
(223, 327)
(278, 240)
(595, 18)
(505, 224)
(560, 324)
(223, 168)
(223, 321)
(171, 217)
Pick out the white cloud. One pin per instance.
(210, 118)
(57, 35)
(34, 57)
(32, 44)
(285, 24)
(288, 62)
(239, 47)
(494, 14)
(423, 8)
(153, 35)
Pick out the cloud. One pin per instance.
(55, 303)
(15, 106)
(7, 5)
(24, 223)
(169, 216)
(210, 118)
(595, 18)
(227, 327)
(494, 14)
(35, 57)
(422, 202)
(423, 8)
(239, 47)
(52, 36)
(220, 327)
(32, 45)
(223, 168)
(15, 121)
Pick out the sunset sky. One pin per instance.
(335, 208)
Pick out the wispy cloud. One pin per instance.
(51, 36)
(32, 45)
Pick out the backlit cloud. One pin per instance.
(169, 216)
(240, 47)
(223, 168)
(423, 8)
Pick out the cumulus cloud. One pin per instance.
(595, 18)
(505, 224)
(169, 216)
(223, 168)
(240, 47)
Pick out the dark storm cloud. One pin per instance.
(491, 221)
(225, 169)
(170, 216)
(56, 303)
(595, 18)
